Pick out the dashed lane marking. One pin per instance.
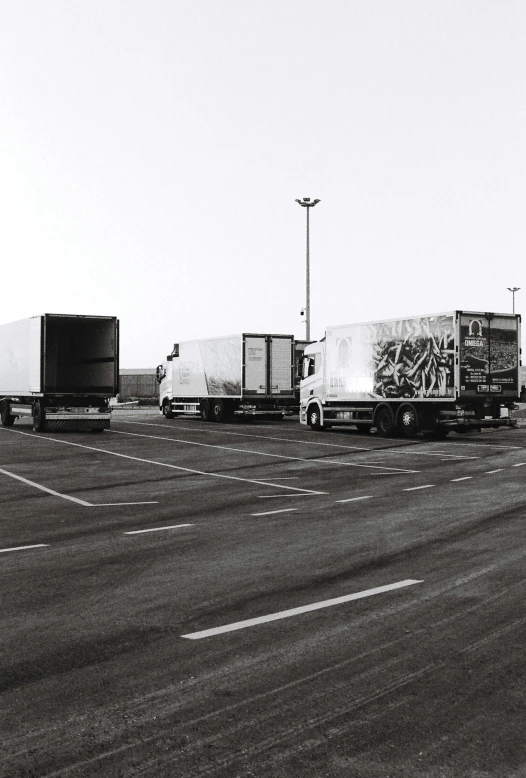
(23, 548)
(297, 611)
(415, 488)
(498, 470)
(156, 529)
(270, 513)
(520, 464)
(161, 464)
(355, 499)
(265, 453)
(464, 478)
(110, 504)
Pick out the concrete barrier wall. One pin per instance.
(137, 386)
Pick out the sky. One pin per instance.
(151, 154)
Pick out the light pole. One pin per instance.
(513, 289)
(306, 203)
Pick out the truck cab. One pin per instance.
(312, 385)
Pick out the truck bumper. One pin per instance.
(74, 420)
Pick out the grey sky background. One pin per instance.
(151, 153)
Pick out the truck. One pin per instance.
(431, 374)
(59, 369)
(232, 376)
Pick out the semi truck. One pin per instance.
(60, 370)
(432, 374)
(233, 376)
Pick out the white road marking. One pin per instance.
(415, 488)
(270, 513)
(270, 496)
(156, 529)
(499, 470)
(398, 450)
(464, 478)
(354, 499)
(520, 464)
(160, 464)
(480, 445)
(296, 611)
(109, 504)
(23, 548)
(264, 453)
(44, 488)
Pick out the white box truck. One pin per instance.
(59, 369)
(435, 373)
(237, 375)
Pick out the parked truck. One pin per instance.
(449, 371)
(219, 378)
(61, 370)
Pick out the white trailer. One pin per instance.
(61, 370)
(238, 375)
(436, 373)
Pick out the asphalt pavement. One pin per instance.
(183, 598)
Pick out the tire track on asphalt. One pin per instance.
(142, 710)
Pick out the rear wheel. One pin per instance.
(38, 416)
(220, 410)
(408, 421)
(204, 410)
(384, 422)
(6, 416)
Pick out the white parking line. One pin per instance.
(109, 504)
(415, 488)
(465, 478)
(156, 529)
(23, 548)
(270, 513)
(354, 499)
(162, 464)
(264, 453)
(44, 488)
(296, 611)
(397, 450)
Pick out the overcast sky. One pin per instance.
(151, 153)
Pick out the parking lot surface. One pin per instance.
(183, 598)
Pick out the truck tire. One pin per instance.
(384, 421)
(408, 422)
(220, 410)
(39, 416)
(167, 410)
(204, 410)
(6, 416)
(314, 418)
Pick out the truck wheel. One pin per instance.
(408, 421)
(384, 422)
(219, 411)
(204, 410)
(6, 417)
(167, 411)
(314, 418)
(38, 416)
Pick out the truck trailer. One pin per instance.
(59, 369)
(434, 373)
(238, 375)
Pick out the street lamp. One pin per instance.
(513, 289)
(306, 203)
